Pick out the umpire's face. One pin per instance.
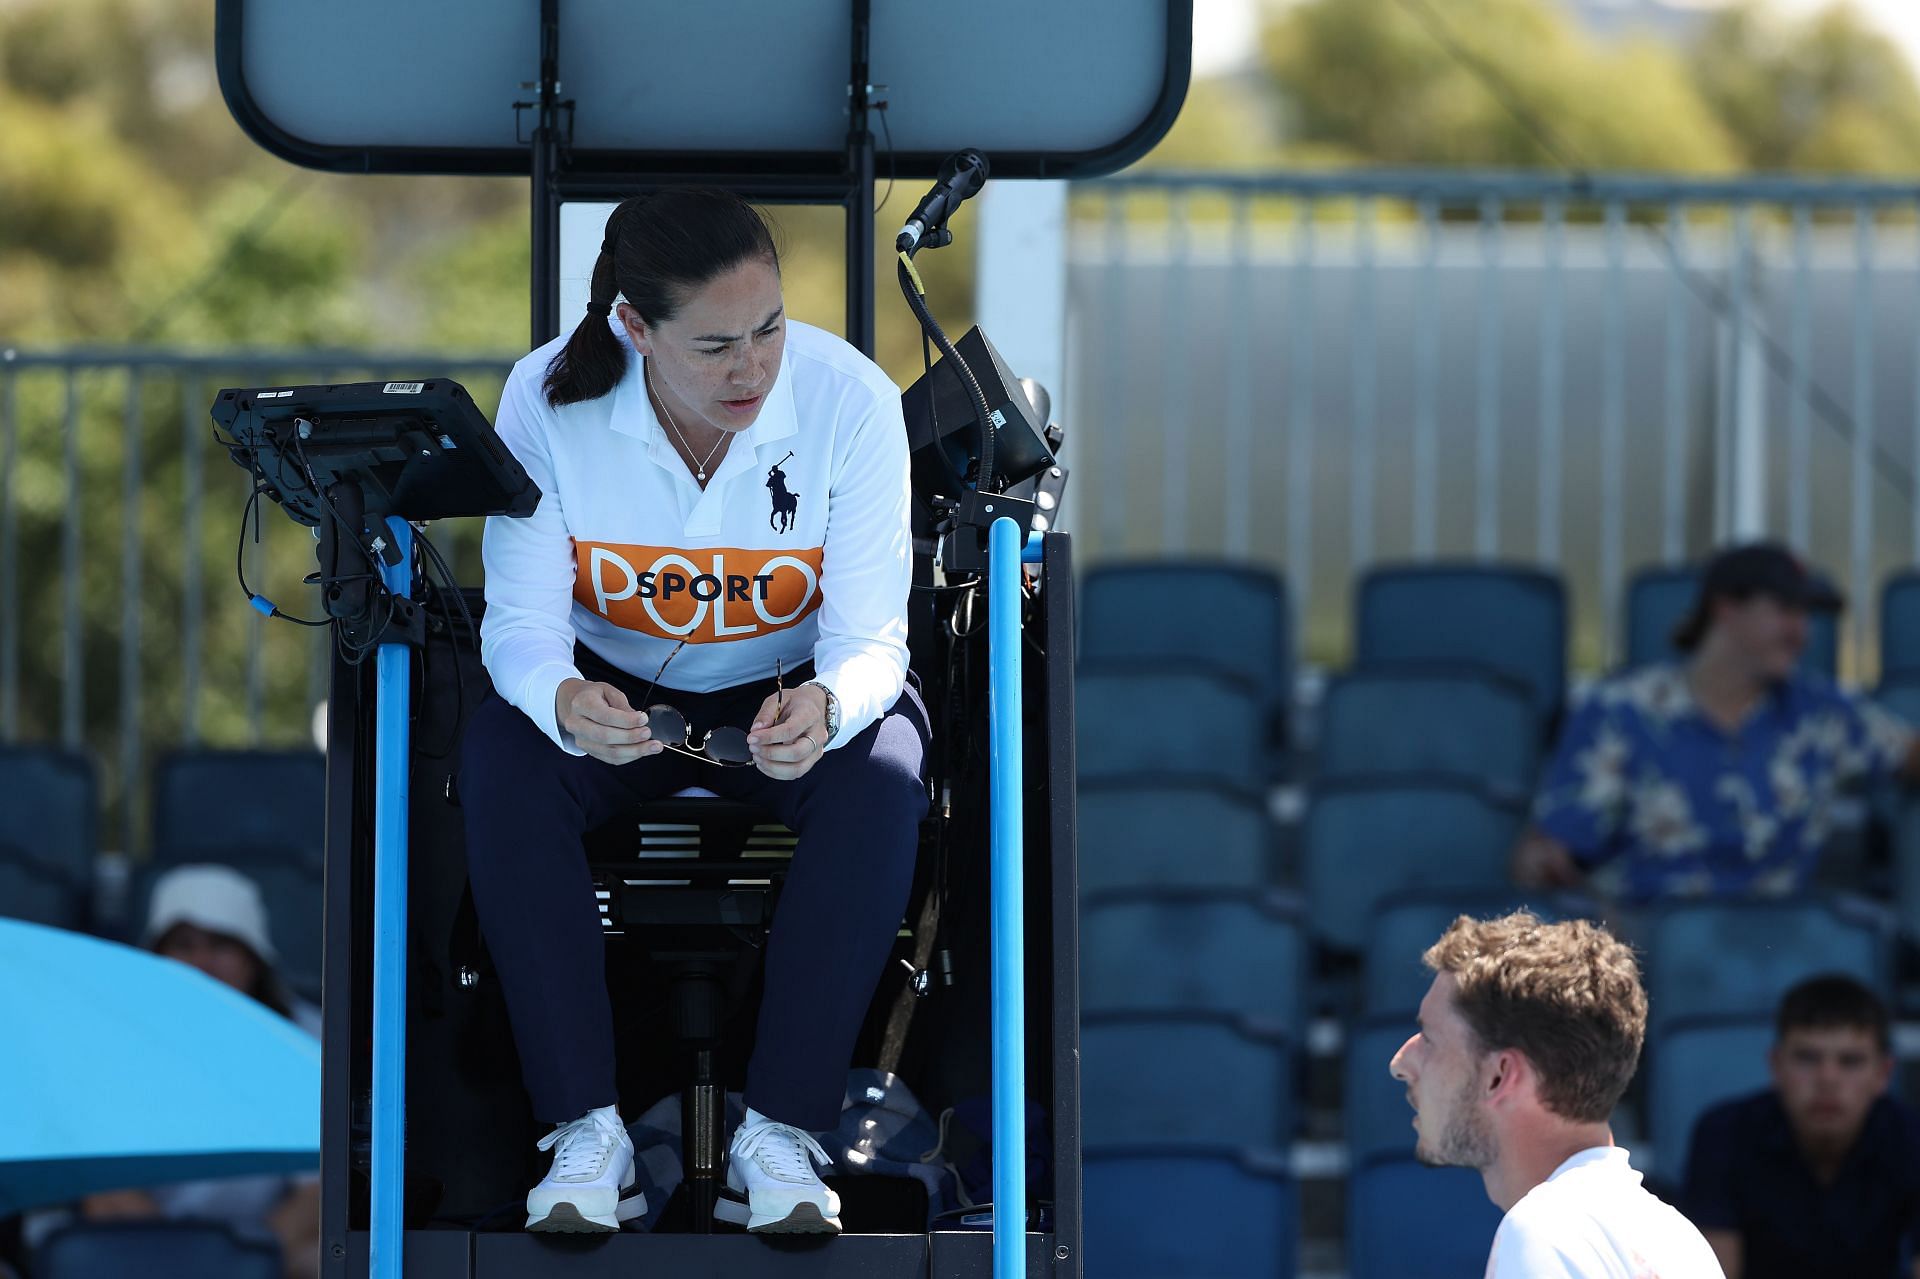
(1442, 1066)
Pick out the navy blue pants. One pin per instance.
(528, 804)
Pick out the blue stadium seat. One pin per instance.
(243, 808)
(49, 824)
(1378, 1119)
(1899, 694)
(1168, 723)
(1171, 1079)
(1405, 924)
(1738, 958)
(1230, 619)
(161, 1249)
(1191, 834)
(293, 896)
(1443, 720)
(1900, 625)
(1509, 619)
(1364, 841)
(1905, 832)
(1187, 951)
(1214, 1214)
(1657, 598)
(1406, 1220)
(1694, 1065)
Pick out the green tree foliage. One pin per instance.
(1824, 94)
(1369, 80)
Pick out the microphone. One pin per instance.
(962, 175)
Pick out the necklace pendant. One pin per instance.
(702, 476)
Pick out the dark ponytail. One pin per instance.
(659, 247)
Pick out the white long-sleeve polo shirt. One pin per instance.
(798, 546)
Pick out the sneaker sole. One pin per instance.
(565, 1219)
(805, 1219)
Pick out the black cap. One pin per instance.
(1759, 568)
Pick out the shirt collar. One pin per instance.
(1592, 1155)
(1779, 699)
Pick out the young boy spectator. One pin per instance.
(1818, 1177)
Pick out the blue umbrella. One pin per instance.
(121, 1069)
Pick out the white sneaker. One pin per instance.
(771, 1186)
(586, 1191)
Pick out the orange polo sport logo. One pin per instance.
(707, 596)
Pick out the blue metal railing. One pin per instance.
(1008, 907)
(393, 699)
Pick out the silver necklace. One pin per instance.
(702, 476)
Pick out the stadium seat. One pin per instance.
(1215, 1214)
(1657, 598)
(1168, 723)
(1900, 625)
(1695, 1064)
(1229, 619)
(1364, 841)
(1905, 834)
(1378, 1119)
(161, 1249)
(1900, 693)
(1150, 1079)
(1738, 958)
(1187, 951)
(243, 808)
(1442, 720)
(1405, 924)
(49, 824)
(1509, 619)
(1405, 1219)
(1185, 834)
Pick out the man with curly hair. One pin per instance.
(1528, 1037)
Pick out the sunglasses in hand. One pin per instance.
(724, 746)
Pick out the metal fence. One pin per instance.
(123, 630)
(1593, 374)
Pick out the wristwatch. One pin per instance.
(833, 708)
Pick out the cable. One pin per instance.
(916, 300)
(1780, 362)
(886, 129)
(254, 600)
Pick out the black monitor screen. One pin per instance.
(418, 450)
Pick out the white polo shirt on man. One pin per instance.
(1592, 1219)
(798, 547)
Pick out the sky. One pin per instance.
(1224, 31)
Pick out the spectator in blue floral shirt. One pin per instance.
(1714, 776)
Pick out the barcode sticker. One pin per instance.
(405, 388)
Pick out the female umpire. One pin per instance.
(712, 592)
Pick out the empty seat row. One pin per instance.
(1235, 621)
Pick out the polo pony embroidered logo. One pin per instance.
(786, 504)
